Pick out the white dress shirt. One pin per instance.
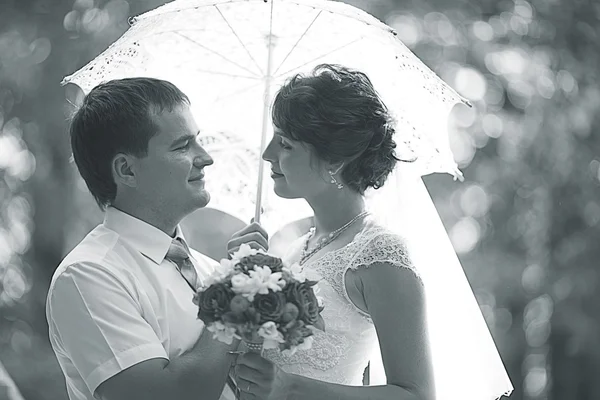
(114, 301)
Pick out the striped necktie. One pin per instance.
(179, 255)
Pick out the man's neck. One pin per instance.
(158, 219)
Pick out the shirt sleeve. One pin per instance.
(99, 323)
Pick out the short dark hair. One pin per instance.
(116, 117)
(337, 111)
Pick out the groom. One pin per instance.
(121, 318)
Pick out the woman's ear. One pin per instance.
(335, 168)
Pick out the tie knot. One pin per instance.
(177, 251)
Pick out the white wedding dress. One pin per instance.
(341, 353)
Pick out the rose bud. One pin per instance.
(290, 312)
(239, 304)
(252, 315)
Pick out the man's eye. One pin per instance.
(283, 145)
(185, 146)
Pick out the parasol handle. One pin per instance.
(263, 142)
(265, 122)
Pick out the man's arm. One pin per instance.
(198, 374)
(97, 322)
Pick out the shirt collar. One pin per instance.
(146, 238)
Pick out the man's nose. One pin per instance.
(203, 159)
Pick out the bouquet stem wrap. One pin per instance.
(254, 347)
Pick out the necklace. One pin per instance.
(327, 239)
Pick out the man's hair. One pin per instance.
(117, 117)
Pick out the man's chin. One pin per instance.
(204, 199)
(199, 200)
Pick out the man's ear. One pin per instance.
(123, 169)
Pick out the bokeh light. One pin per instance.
(465, 235)
(525, 223)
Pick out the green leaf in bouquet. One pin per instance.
(320, 324)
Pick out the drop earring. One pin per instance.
(334, 181)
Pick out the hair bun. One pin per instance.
(379, 158)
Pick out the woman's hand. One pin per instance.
(253, 235)
(258, 378)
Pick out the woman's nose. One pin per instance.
(268, 154)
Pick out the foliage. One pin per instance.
(525, 222)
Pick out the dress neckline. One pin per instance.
(366, 228)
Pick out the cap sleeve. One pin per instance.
(387, 248)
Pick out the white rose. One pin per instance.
(271, 344)
(296, 271)
(266, 280)
(225, 266)
(245, 285)
(239, 282)
(244, 251)
(307, 344)
(271, 334)
(222, 333)
(219, 274)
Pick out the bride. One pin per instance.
(333, 142)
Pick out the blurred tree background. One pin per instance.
(526, 222)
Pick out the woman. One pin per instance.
(333, 140)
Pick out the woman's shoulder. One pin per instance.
(379, 245)
(378, 236)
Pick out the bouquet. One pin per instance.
(256, 298)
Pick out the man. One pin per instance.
(119, 308)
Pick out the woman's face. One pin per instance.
(294, 169)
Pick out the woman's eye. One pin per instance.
(283, 145)
(185, 146)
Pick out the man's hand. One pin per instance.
(259, 378)
(253, 235)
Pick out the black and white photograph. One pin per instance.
(299, 199)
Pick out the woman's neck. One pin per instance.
(333, 210)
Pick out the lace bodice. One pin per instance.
(341, 353)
